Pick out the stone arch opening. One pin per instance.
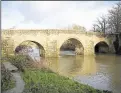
(72, 46)
(30, 47)
(101, 47)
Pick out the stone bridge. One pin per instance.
(51, 40)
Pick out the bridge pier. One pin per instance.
(89, 48)
(51, 49)
(51, 54)
(79, 50)
(89, 52)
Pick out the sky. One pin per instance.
(52, 14)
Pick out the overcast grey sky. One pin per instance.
(52, 14)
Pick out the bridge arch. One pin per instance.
(27, 42)
(101, 47)
(72, 44)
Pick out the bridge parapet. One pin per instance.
(47, 31)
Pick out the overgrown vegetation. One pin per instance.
(7, 81)
(22, 62)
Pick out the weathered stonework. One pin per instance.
(52, 39)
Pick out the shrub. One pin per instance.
(7, 81)
(21, 61)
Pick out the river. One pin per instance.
(102, 71)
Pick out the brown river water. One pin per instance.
(102, 71)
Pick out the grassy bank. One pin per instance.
(43, 80)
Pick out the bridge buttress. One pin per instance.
(89, 48)
(51, 48)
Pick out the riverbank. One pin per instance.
(43, 80)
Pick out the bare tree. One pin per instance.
(114, 18)
(101, 24)
(94, 27)
(114, 21)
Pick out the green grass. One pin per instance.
(45, 81)
(8, 84)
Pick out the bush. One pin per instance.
(7, 81)
(21, 61)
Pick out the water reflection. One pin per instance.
(107, 76)
(89, 65)
(101, 71)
